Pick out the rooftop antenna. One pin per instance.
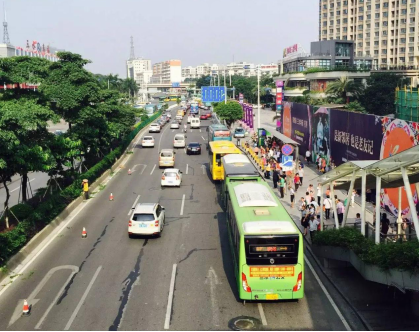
(6, 39)
(132, 55)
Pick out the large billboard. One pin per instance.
(354, 136)
(297, 124)
(321, 134)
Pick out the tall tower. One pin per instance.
(132, 55)
(6, 39)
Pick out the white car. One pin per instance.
(169, 115)
(146, 219)
(148, 141)
(174, 125)
(179, 141)
(195, 123)
(154, 128)
(189, 119)
(178, 117)
(171, 177)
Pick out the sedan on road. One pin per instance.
(171, 177)
(239, 133)
(193, 148)
(174, 125)
(154, 128)
(148, 141)
(147, 219)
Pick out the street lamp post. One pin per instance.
(224, 76)
(258, 96)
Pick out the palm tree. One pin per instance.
(341, 87)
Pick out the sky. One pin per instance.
(193, 31)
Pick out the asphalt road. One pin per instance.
(108, 281)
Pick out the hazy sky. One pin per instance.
(194, 31)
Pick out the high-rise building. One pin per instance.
(140, 70)
(387, 30)
(167, 72)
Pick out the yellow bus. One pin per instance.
(218, 149)
(180, 112)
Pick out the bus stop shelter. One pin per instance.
(397, 171)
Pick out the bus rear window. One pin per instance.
(272, 250)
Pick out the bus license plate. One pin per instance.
(271, 296)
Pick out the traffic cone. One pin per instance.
(84, 233)
(111, 197)
(129, 171)
(26, 309)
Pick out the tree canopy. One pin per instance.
(231, 111)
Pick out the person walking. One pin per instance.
(282, 186)
(340, 211)
(308, 198)
(306, 214)
(327, 206)
(384, 225)
(318, 194)
(313, 226)
(267, 170)
(353, 195)
(308, 156)
(300, 172)
(292, 196)
(311, 190)
(296, 181)
(85, 186)
(276, 178)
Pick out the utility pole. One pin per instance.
(224, 76)
(258, 96)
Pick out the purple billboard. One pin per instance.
(354, 136)
(301, 116)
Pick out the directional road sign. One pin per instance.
(212, 94)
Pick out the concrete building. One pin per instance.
(167, 72)
(387, 30)
(139, 69)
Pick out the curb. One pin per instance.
(308, 246)
(33, 243)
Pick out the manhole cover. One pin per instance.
(245, 323)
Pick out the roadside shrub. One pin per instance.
(21, 211)
(403, 256)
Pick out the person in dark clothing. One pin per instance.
(275, 178)
(384, 225)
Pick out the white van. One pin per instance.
(195, 123)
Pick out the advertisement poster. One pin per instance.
(397, 136)
(287, 119)
(321, 134)
(301, 126)
(354, 136)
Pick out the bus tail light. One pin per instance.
(245, 284)
(298, 283)
(156, 223)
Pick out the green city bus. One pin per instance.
(266, 245)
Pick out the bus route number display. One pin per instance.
(261, 249)
(271, 271)
(222, 134)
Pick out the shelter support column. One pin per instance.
(378, 209)
(413, 211)
(399, 218)
(322, 210)
(363, 230)
(346, 212)
(334, 208)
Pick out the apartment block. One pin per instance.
(139, 69)
(167, 72)
(386, 30)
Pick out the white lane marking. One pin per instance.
(203, 167)
(346, 325)
(186, 171)
(173, 130)
(182, 205)
(134, 205)
(200, 130)
(32, 300)
(144, 167)
(185, 150)
(191, 131)
(213, 280)
(203, 138)
(170, 299)
(263, 319)
(82, 300)
(20, 186)
(75, 270)
(153, 169)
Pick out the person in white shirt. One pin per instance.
(308, 156)
(313, 226)
(292, 196)
(340, 211)
(353, 195)
(327, 206)
(318, 194)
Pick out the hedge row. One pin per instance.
(403, 256)
(11, 242)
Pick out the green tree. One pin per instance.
(130, 87)
(343, 86)
(230, 112)
(355, 106)
(379, 96)
(178, 100)
(203, 81)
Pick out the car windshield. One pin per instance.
(143, 217)
(166, 154)
(239, 130)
